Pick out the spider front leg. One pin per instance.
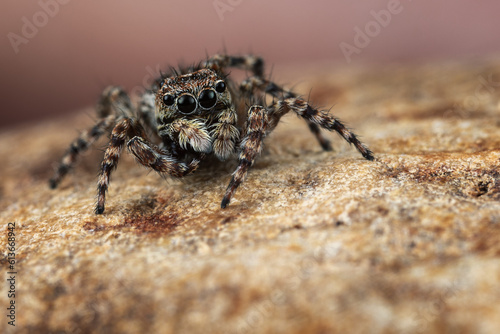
(125, 128)
(153, 157)
(250, 85)
(251, 146)
(146, 154)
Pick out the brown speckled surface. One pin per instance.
(313, 242)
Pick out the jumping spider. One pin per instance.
(193, 114)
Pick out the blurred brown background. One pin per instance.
(57, 55)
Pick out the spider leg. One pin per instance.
(146, 110)
(323, 142)
(319, 118)
(251, 146)
(247, 62)
(146, 154)
(262, 121)
(113, 101)
(159, 160)
(224, 132)
(251, 84)
(124, 129)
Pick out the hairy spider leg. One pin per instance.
(112, 103)
(247, 62)
(249, 85)
(153, 157)
(262, 121)
(320, 118)
(125, 128)
(146, 111)
(255, 130)
(146, 154)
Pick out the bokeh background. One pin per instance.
(57, 55)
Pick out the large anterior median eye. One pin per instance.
(207, 98)
(186, 104)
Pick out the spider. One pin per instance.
(193, 113)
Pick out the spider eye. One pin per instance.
(220, 87)
(207, 98)
(186, 104)
(168, 100)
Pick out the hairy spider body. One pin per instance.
(194, 114)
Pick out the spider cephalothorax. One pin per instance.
(196, 111)
(193, 115)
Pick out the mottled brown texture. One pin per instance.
(314, 242)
